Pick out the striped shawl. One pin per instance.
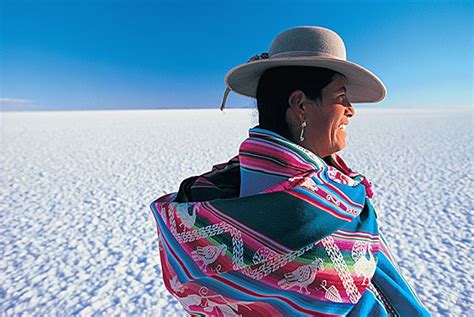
(278, 231)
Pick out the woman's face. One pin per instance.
(327, 118)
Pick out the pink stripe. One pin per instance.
(361, 234)
(257, 147)
(265, 165)
(177, 259)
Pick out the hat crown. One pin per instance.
(308, 41)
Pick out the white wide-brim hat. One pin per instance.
(307, 46)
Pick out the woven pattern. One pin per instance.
(297, 248)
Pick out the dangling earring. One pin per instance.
(303, 125)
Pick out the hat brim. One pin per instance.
(362, 85)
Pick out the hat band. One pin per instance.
(305, 53)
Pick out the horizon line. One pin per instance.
(363, 107)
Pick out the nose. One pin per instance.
(350, 111)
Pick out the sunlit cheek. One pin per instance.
(340, 138)
(336, 135)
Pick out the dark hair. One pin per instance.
(276, 85)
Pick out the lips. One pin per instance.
(342, 126)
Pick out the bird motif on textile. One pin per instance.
(302, 276)
(225, 307)
(176, 285)
(363, 266)
(208, 254)
(187, 214)
(216, 305)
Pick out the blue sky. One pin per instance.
(174, 54)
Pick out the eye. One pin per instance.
(341, 98)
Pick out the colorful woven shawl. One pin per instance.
(278, 231)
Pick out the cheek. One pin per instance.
(336, 121)
(334, 126)
(323, 129)
(323, 126)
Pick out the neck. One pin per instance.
(307, 145)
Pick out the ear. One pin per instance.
(296, 101)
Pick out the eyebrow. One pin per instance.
(342, 88)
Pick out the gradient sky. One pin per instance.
(174, 54)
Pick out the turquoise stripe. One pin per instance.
(356, 194)
(190, 265)
(396, 289)
(266, 132)
(368, 306)
(387, 267)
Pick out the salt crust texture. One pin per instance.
(77, 237)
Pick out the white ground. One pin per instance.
(77, 237)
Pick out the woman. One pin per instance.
(285, 228)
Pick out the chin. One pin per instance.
(335, 151)
(339, 148)
(342, 143)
